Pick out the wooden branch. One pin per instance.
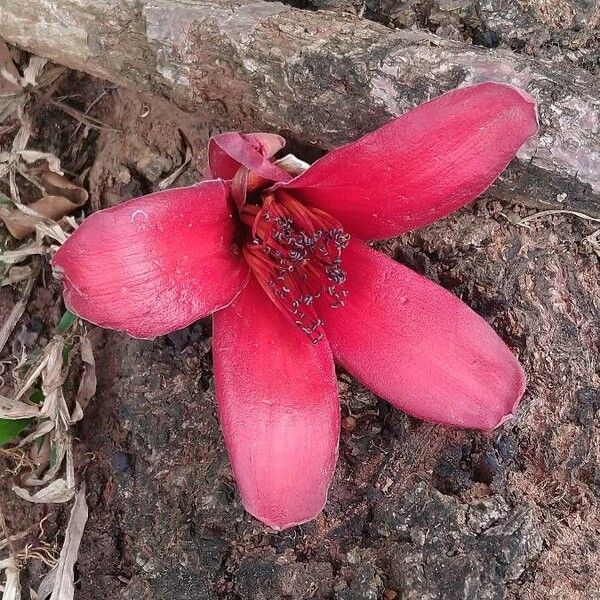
(320, 78)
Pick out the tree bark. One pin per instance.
(319, 78)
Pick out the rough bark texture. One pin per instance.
(317, 76)
(416, 511)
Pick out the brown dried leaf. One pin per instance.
(61, 197)
(55, 492)
(21, 225)
(64, 588)
(58, 185)
(87, 384)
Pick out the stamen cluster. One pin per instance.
(295, 253)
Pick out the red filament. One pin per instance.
(295, 253)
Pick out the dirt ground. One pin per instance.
(415, 511)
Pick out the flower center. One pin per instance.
(295, 253)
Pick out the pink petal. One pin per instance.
(278, 407)
(154, 264)
(227, 152)
(419, 347)
(423, 165)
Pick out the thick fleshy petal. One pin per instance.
(419, 347)
(154, 264)
(278, 407)
(423, 165)
(227, 152)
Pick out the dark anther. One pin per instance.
(299, 253)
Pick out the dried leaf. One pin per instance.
(18, 224)
(15, 409)
(21, 222)
(12, 587)
(10, 105)
(42, 429)
(40, 456)
(31, 156)
(52, 380)
(87, 384)
(7, 542)
(51, 230)
(36, 369)
(59, 185)
(46, 585)
(16, 275)
(55, 408)
(51, 463)
(4, 129)
(49, 75)
(64, 588)
(55, 492)
(11, 257)
(33, 70)
(19, 308)
(21, 139)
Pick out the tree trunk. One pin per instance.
(319, 77)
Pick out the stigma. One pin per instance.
(295, 252)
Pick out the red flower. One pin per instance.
(293, 286)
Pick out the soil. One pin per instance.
(415, 511)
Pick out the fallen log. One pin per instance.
(321, 78)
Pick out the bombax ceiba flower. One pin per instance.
(277, 254)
